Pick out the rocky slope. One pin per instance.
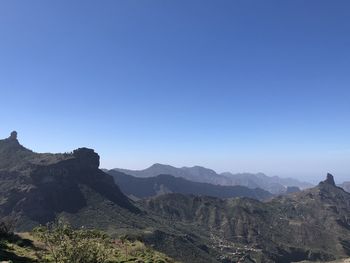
(35, 188)
(310, 225)
(275, 185)
(162, 184)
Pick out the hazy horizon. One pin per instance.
(312, 176)
(230, 85)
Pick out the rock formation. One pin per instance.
(13, 135)
(36, 187)
(329, 180)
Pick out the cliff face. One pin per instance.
(37, 187)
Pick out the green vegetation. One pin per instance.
(66, 245)
(13, 247)
(60, 243)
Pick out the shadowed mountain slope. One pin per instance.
(36, 187)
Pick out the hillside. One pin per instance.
(26, 248)
(275, 184)
(310, 225)
(36, 188)
(162, 184)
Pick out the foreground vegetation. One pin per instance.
(60, 243)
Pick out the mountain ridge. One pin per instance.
(275, 184)
(160, 184)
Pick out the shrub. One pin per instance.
(67, 245)
(7, 226)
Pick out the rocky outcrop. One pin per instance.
(329, 180)
(13, 135)
(87, 157)
(36, 187)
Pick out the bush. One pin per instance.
(137, 248)
(7, 227)
(66, 245)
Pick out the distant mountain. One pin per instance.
(275, 185)
(162, 184)
(195, 173)
(311, 225)
(292, 189)
(345, 186)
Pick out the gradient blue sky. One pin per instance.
(231, 85)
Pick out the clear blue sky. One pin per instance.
(232, 85)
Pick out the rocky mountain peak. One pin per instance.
(329, 179)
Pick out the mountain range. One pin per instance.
(36, 188)
(162, 184)
(310, 225)
(274, 185)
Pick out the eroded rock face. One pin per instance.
(329, 180)
(37, 187)
(87, 157)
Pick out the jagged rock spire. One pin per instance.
(329, 179)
